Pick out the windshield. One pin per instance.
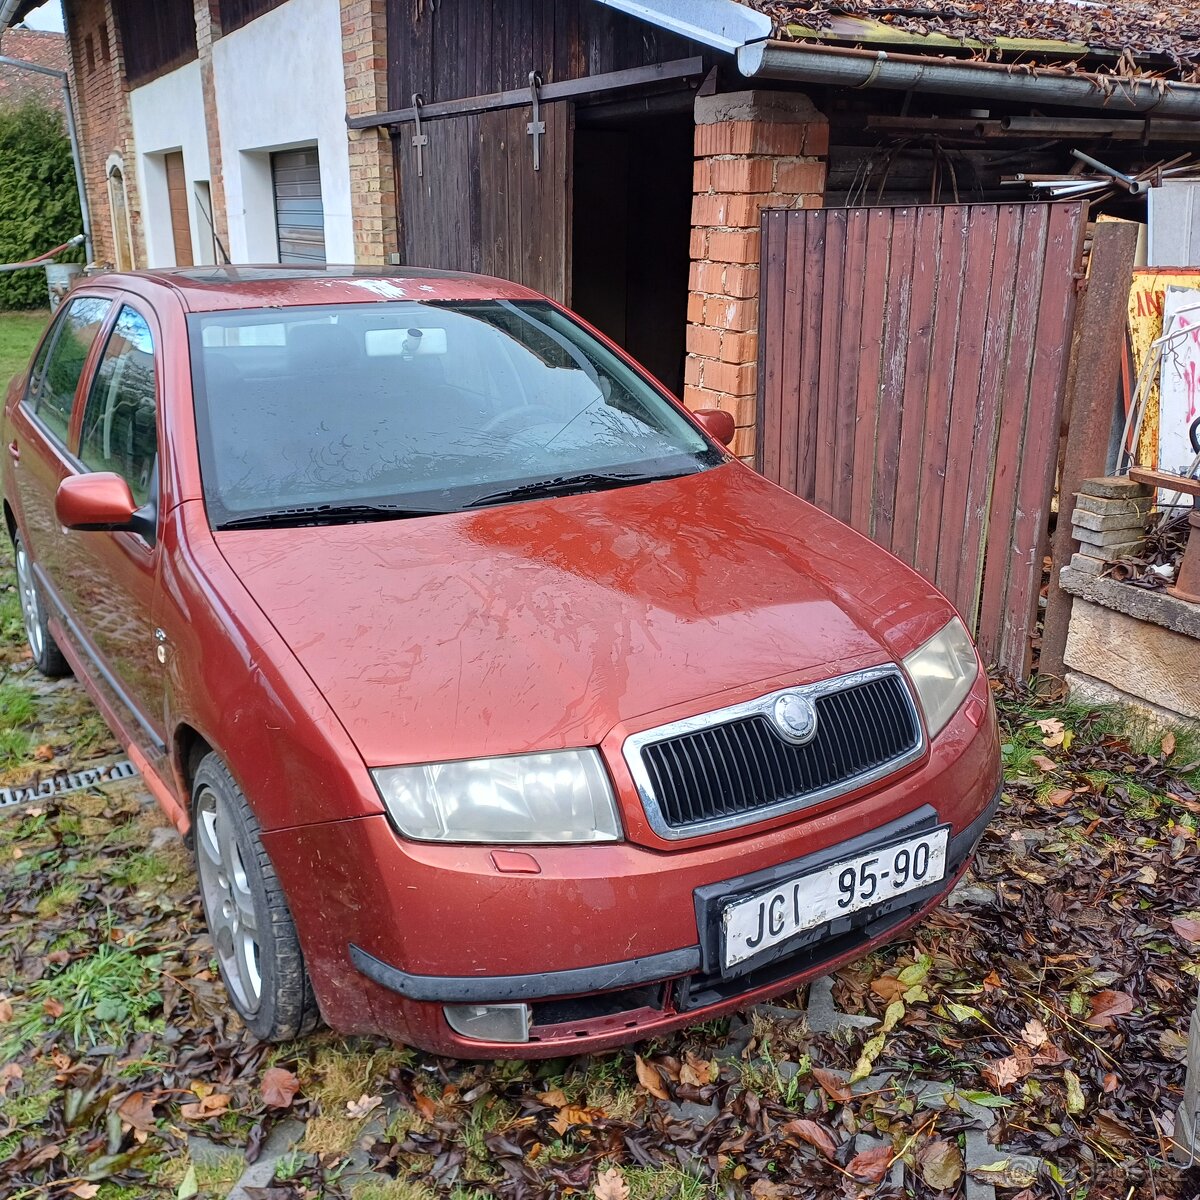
(418, 407)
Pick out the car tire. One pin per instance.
(251, 927)
(47, 657)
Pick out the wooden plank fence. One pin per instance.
(911, 376)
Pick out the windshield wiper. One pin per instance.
(330, 514)
(562, 485)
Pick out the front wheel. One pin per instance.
(248, 918)
(47, 657)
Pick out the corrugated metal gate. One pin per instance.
(911, 375)
(299, 210)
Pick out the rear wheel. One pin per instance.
(248, 918)
(47, 657)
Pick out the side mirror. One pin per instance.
(99, 500)
(717, 423)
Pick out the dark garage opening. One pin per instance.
(631, 228)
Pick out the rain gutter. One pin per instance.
(722, 24)
(838, 66)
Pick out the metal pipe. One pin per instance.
(46, 260)
(85, 216)
(838, 66)
(1135, 187)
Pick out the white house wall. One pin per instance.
(168, 115)
(280, 85)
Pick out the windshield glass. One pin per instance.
(420, 406)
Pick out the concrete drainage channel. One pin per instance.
(986, 1165)
(64, 781)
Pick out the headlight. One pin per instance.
(561, 796)
(942, 671)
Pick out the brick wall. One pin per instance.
(208, 29)
(102, 114)
(754, 150)
(36, 46)
(372, 171)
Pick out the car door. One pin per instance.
(40, 426)
(110, 583)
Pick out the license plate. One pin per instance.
(751, 926)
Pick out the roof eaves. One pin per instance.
(722, 24)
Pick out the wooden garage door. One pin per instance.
(299, 213)
(177, 198)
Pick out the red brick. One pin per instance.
(741, 281)
(698, 397)
(695, 307)
(704, 341)
(691, 369)
(741, 174)
(743, 442)
(798, 176)
(710, 209)
(698, 245)
(735, 379)
(739, 348)
(812, 202)
(736, 315)
(701, 175)
(816, 138)
(739, 247)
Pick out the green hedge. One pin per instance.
(39, 207)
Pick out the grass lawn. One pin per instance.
(19, 332)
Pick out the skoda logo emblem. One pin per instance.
(795, 717)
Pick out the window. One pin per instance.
(119, 427)
(89, 48)
(105, 53)
(52, 390)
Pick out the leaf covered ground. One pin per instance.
(1053, 995)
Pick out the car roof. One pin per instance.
(210, 288)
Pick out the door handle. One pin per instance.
(14, 451)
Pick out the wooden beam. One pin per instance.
(1097, 349)
(568, 89)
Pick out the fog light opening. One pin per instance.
(489, 1022)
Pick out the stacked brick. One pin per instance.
(1109, 521)
(372, 168)
(752, 152)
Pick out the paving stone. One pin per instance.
(279, 1141)
(864, 1142)
(1085, 564)
(944, 1095)
(740, 1034)
(697, 1114)
(979, 1152)
(1132, 519)
(1110, 486)
(823, 1017)
(1110, 504)
(1114, 542)
(976, 895)
(205, 1153)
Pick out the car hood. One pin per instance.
(544, 624)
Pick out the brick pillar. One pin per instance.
(754, 150)
(372, 169)
(208, 29)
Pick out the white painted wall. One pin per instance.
(168, 114)
(280, 85)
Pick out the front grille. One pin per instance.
(739, 769)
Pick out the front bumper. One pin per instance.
(606, 943)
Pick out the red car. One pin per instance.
(507, 713)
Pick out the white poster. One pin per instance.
(1179, 382)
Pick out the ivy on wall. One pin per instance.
(39, 207)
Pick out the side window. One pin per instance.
(53, 391)
(119, 426)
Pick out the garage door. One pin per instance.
(299, 214)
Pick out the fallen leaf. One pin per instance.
(889, 988)
(1005, 1173)
(554, 1099)
(8, 1073)
(812, 1133)
(1050, 725)
(574, 1114)
(940, 1164)
(1059, 797)
(6, 1011)
(866, 1060)
(765, 1189)
(871, 1165)
(1168, 745)
(86, 1191)
(1187, 928)
(610, 1185)
(188, 1186)
(1075, 1100)
(833, 1086)
(1002, 1073)
(211, 1105)
(1034, 1034)
(1043, 763)
(893, 1016)
(649, 1078)
(697, 1071)
(52, 1008)
(424, 1105)
(1106, 1005)
(137, 1111)
(357, 1109)
(279, 1087)
(44, 752)
(1110, 1082)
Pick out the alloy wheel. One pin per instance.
(31, 604)
(228, 902)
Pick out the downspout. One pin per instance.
(6, 11)
(838, 66)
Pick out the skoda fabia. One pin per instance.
(506, 712)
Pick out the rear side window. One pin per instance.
(54, 386)
(119, 425)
